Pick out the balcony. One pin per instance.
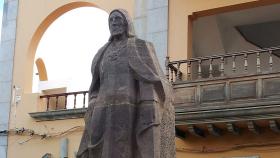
(213, 94)
(227, 92)
(61, 106)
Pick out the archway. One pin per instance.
(53, 20)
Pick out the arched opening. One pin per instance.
(41, 68)
(66, 42)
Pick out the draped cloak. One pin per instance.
(153, 114)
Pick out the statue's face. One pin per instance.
(117, 24)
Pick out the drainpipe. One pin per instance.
(64, 148)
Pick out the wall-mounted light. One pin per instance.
(16, 95)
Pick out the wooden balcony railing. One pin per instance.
(227, 88)
(236, 81)
(66, 100)
(229, 64)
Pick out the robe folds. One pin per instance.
(140, 129)
(130, 112)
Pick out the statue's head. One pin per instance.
(117, 23)
(120, 23)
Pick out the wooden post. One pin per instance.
(246, 62)
(258, 63)
(75, 98)
(222, 68)
(270, 61)
(233, 64)
(199, 69)
(48, 103)
(167, 67)
(84, 100)
(171, 75)
(189, 70)
(211, 68)
(178, 71)
(56, 102)
(65, 105)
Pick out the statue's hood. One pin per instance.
(130, 27)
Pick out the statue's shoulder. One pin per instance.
(140, 43)
(98, 56)
(102, 49)
(100, 52)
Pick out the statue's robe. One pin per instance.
(141, 129)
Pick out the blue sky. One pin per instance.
(1, 6)
(1, 12)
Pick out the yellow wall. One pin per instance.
(37, 147)
(178, 49)
(193, 146)
(33, 20)
(179, 10)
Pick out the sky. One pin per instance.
(1, 13)
(69, 45)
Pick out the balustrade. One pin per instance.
(228, 64)
(62, 100)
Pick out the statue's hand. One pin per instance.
(90, 109)
(91, 104)
(160, 91)
(91, 101)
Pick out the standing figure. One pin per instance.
(130, 113)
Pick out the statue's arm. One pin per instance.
(156, 67)
(144, 65)
(94, 88)
(155, 63)
(140, 62)
(95, 82)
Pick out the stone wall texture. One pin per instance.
(7, 48)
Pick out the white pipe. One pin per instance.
(64, 148)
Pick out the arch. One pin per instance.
(50, 19)
(39, 33)
(43, 76)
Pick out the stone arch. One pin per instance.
(41, 30)
(42, 72)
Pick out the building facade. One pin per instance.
(226, 98)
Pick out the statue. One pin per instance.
(130, 114)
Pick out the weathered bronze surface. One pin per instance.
(130, 113)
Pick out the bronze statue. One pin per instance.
(130, 114)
